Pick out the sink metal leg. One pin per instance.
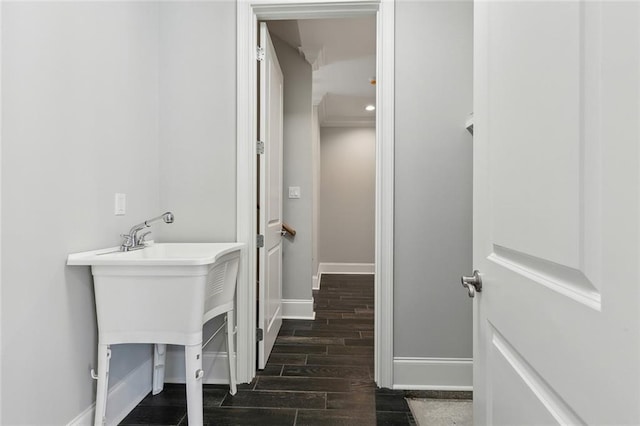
(194, 373)
(159, 357)
(104, 356)
(231, 353)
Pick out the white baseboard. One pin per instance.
(341, 268)
(214, 364)
(345, 268)
(452, 374)
(298, 309)
(122, 397)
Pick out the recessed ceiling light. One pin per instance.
(370, 107)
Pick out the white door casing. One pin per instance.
(556, 213)
(248, 13)
(270, 207)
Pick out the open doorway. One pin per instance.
(248, 16)
(316, 172)
(328, 166)
(341, 58)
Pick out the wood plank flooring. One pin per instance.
(319, 373)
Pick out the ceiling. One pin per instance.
(342, 53)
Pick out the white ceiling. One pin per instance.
(342, 53)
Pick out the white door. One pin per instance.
(556, 213)
(270, 194)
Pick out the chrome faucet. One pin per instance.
(133, 241)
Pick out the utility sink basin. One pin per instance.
(170, 254)
(162, 294)
(157, 294)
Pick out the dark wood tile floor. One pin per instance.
(320, 373)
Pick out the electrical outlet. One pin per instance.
(120, 204)
(294, 192)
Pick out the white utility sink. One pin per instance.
(156, 293)
(160, 294)
(156, 254)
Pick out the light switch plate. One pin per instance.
(294, 192)
(120, 204)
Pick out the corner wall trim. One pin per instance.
(451, 374)
(122, 397)
(298, 309)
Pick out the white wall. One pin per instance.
(347, 195)
(297, 171)
(80, 123)
(433, 193)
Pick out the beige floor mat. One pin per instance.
(441, 412)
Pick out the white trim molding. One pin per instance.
(348, 123)
(1, 115)
(345, 268)
(122, 397)
(341, 268)
(384, 210)
(450, 374)
(315, 282)
(248, 14)
(246, 212)
(298, 309)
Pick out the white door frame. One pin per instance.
(248, 14)
(0, 211)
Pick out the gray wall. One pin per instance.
(80, 113)
(347, 195)
(433, 192)
(101, 98)
(296, 254)
(197, 120)
(83, 98)
(197, 149)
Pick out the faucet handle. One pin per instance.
(127, 242)
(142, 237)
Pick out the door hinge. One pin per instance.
(260, 54)
(260, 241)
(259, 334)
(260, 147)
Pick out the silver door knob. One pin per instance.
(473, 284)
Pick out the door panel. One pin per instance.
(517, 382)
(270, 220)
(274, 296)
(556, 212)
(530, 86)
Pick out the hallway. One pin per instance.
(320, 373)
